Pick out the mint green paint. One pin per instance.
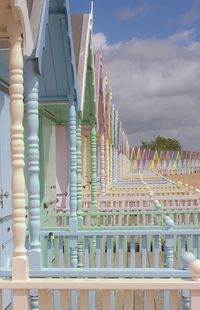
(79, 187)
(93, 171)
(47, 166)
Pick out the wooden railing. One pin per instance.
(153, 247)
(106, 294)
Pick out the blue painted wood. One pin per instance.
(57, 65)
(104, 272)
(144, 251)
(156, 251)
(74, 300)
(91, 300)
(86, 252)
(73, 223)
(32, 122)
(98, 252)
(132, 254)
(121, 252)
(109, 252)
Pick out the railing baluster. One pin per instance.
(109, 251)
(74, 300)
(156, 250)
(60, 252)
(98, 251)
(132, 252)
(86, 252)
(56, 299)
(49, 251)
(121, 252)
(92, 301)
(144, 251)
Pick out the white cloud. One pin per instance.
(132, 13)
(99, 41)
(156, 87)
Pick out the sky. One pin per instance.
(151, 53)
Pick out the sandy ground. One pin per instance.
(191, 180)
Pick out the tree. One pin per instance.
(162, 144)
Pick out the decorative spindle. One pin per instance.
(107, 165)
(93, 172)
(73, 166)
(187, 258)
(19, 261)
(169, 243)
(102, 164)
(110, 164)
(79, 188)
(73, 225)
(79, 166)
(31, 99)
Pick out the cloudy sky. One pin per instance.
(152, 57)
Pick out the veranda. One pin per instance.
(83, 262)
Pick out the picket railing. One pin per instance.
(106, 294)
(122, 217)
(153, 247)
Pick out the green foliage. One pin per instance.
(162, 144)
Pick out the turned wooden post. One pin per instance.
(93, 173)
(19, 261)
(73, 183)
(194, 269)
(32, 120)
(79, 187)
(110, 165)
(107, 165)
(102, 164)
(187, 258)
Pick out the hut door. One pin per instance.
(5, 156)
(48, 158)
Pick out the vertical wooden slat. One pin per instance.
(49, 254)
(150, 300)
(106, 300)
(121, 252)
(109, 251)
(84, 299)
(74, 300)
(64, 300)
(60, 252)
(128, 300)
(195, 245)
(56, 299)
(98, 252)
(132, 252)
(144, 251)
(91, 300)
(173, 300)
(156, 251)
(86, 252)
